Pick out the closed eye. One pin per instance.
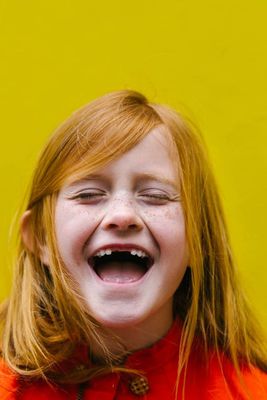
(158, 197)
(88, 195)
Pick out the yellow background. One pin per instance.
(206, 57)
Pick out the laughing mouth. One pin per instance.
(120, 265)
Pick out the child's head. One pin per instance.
(122, 132)
(130, 178)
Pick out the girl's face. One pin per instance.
(121, 235)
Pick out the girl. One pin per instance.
(125, 285)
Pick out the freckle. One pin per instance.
(169, 214)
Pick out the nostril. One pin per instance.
(132, 226)
(122, 219)
(122, 226)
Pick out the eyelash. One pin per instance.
(87, 195)
(159, 198)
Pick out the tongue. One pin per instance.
(120, 272)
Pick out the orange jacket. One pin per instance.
(215, 380)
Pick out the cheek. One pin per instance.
(73, 227)
(168, 228)
(167, 222)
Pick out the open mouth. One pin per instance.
(120, 266)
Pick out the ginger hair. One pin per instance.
(45, 317)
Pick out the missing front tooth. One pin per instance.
(121, 257)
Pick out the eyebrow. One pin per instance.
(159, 178)
(144, 176)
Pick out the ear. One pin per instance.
(25, 230)
(27, 237)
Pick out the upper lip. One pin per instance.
(121, 247)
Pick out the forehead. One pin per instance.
(153, 158)
(155, 153)
(156, 149)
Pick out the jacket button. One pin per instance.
(139, 386)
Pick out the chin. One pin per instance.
(119, 321)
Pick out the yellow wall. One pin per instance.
(207, 56)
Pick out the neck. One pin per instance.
(127, 339)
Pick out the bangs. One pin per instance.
(104, 132)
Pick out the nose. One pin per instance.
(122, 216)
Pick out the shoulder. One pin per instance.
(249, 384)
(255, 381)
(12, 389)
(8, 382)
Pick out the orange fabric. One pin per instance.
(8, 383)
(215, 380)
